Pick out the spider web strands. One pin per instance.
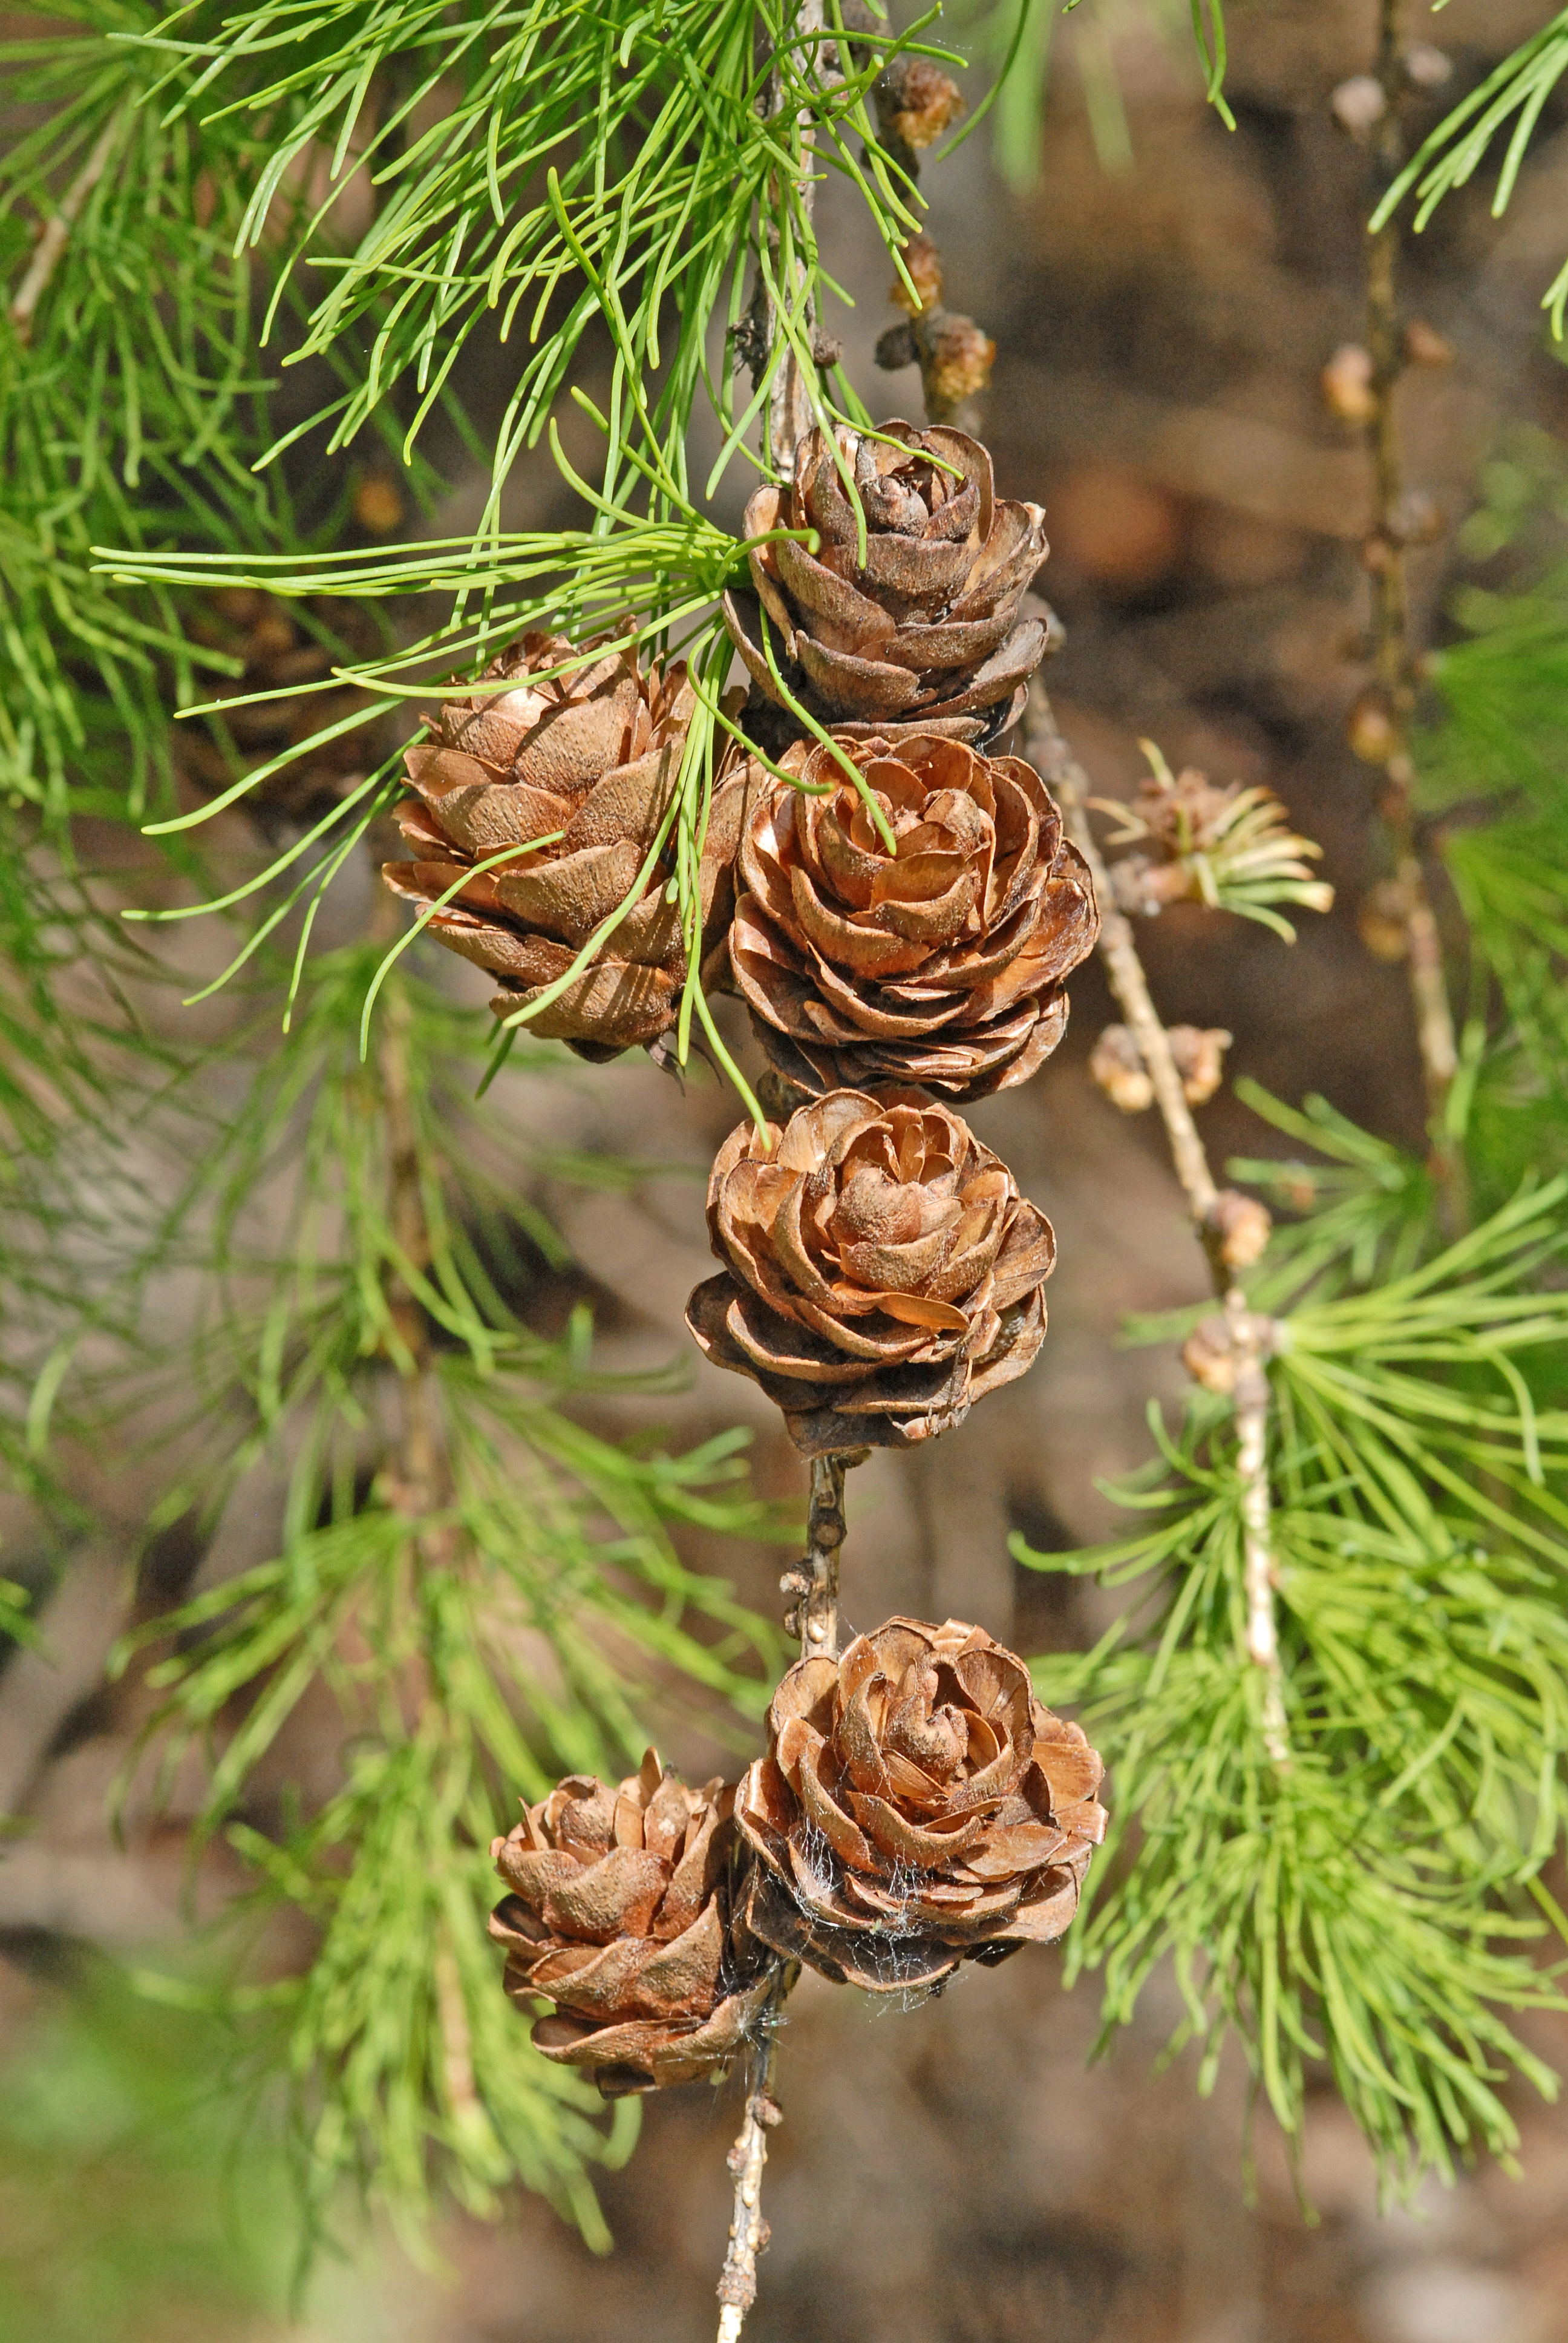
(1371, 1908)
(619, 164)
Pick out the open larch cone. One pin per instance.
(881, 1270)
(595, 755)
(942, 963)
(925, 629)
(619, 1913)
(918, 1807)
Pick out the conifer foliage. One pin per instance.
(625, 765)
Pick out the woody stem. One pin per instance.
(1391, 649)
(824, 1542)
(1052, 757)
(1049, 753)
(1252, 1470)
(747, 2229)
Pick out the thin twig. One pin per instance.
(1392, 655)
(1052, 757)
(789, 407)
(814, 1615)
(749, 2232)
(1049, 753)
(1260, 1574)
(57, 232)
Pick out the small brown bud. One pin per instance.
(1359, 104)
(1143, 887)
(1200, 1055)
(896, 350)
(378, 504)
(1427, 67)
(917, 100)
(1243, 1226)
(1347, 384)
(1376, 554)
(826, 349)
(1425, 347)
(924, 263)
(1208, 1357)
(1417, 519)
(956, 365)
(1383, 920)
(1371, 730)
(1116, 1065)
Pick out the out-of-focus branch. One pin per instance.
(1393, 656)
(56, 233)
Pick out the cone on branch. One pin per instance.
(942, 963)
(620, 1914)
(916, 1808)
(881, 1270)
(925, 631)
(589, 760)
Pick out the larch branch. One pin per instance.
(1050, 754)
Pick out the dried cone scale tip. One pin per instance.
(619, 1914)
(918, 1807)
(941, 962)
(594, 754)
(924, 630)
(882, 1271)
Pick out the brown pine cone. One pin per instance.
(926, 633)
(918, 1807)
(882, 1271)
(619, 1914)
(595, 754)
(943, 964)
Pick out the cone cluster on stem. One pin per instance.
(894, 900)
(916, 1808)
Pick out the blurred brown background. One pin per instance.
(959, 2173)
